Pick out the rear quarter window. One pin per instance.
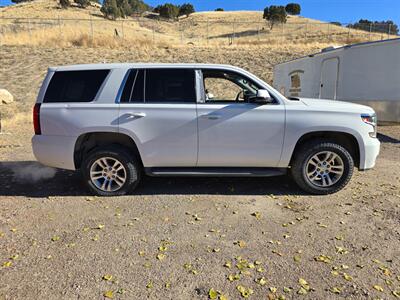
(74, 86)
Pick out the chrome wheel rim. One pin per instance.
(324, 169)
(108, 174)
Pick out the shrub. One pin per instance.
(65, 3)
(336, 23)
(375, 26)
(82, 3)
(110, 9)
(169, 11)
(186, 9)
(125, 8)
(219, 9)
(293, 9)
(138, 6)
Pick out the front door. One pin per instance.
(158, 110)
(234, 132)
(329, 78)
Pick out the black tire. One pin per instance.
(306, 152)
(129, 161)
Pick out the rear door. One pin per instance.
(234, 132)
(329, 78)
(158, 110)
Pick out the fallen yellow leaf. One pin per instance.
(109, 294)
(378, 288)
(107, 277)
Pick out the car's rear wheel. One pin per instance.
(111, 171)
(322, 167)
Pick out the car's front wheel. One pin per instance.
(111, 171)
(322, 167)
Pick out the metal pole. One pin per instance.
(208, 30)
(122, 29)
(181, 30)
(154, 34)
(29, 27)
(306, 30)
(329, 30)
(348, 35)
(59, 24)
(258, 31)
(390, 27)
(234, 31)
(91, 27)
(370, 30)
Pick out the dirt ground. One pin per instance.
(178, 238)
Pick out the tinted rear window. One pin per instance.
(75, 86)
(170, 86)
(134, 87)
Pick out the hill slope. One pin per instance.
(42, 22)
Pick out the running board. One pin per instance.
(216, 172)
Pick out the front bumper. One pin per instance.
(54, 151)
(371, 151)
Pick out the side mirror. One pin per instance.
(262, 97)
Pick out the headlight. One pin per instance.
(370, 119)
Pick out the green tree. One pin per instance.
(125, 8)
(138, 6)
(157, 9)
(293, 9)
(110, 9)
(65, 3)
(82, 3)
(169, 11)
(376, 26)
(219, 9)
(186, 9)
(275, 14)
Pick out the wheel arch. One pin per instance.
(345, 139)
(86, 142)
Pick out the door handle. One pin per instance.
(211, 117)
(136, 115)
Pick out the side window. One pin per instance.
(225, 86)
(170, 86)
(221, 89)
(134, 87)
(74, 86)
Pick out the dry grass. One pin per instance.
(87, 28)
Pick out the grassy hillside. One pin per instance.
(43, 23)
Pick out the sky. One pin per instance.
(344, 11)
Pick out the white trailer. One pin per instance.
(365, 73)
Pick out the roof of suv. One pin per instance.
(141, 65)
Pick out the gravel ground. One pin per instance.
(179, 238)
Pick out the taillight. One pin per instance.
(36, 119)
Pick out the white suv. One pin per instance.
(116, 121)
